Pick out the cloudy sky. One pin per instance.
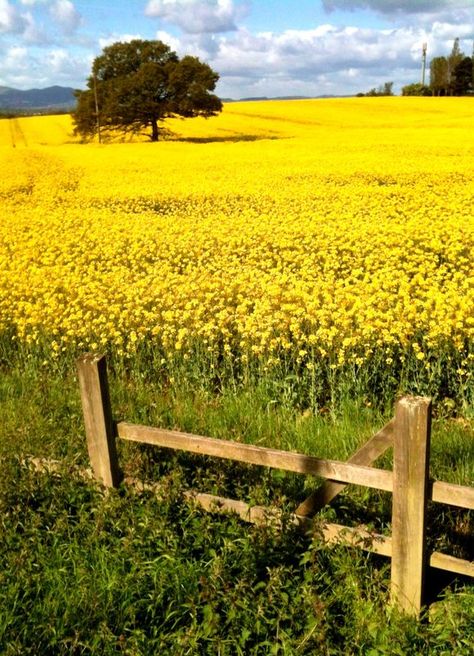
(259, 47)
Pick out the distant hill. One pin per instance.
(62, 99)
(41, 99)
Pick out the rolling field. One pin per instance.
(275, 275)
(332, 234)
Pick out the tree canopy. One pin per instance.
(439, 76)
(463, 77)
(416, 89)
(452, 75)
(134, 86)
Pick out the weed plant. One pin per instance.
(88, 573)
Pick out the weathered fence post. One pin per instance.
(410, 490)
(92, 371)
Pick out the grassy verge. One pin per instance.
(86, 573)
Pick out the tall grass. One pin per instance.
(87, 573)
(83, 572)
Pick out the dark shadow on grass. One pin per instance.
(438, 582)
(230, 139)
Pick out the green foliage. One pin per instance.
(83, 572)
(452, 75)
(439, 76)
(385, 89)
(463, 82)
(86, 573)
(416, 89)
(454, 59)
(135, 85)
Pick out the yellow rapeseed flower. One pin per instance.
(316, 229)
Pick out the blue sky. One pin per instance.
(259, 47)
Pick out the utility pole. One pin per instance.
(423, 63)
(97, 109)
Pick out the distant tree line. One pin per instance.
(13, 112)
(449, 76)
(385, 89)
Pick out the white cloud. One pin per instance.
(15, 66)
(16, 57)
(422, 13)
(326, 59)
(35, 34)
(170, 40)
(114, 38)
(398, 6)
(65, 68)
(321, 59)
(196, 16)
(23, 67)
(321, 50)
(65, 15)
(11, 20)
(16, 22)
(443, 31)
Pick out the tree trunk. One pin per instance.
(154, 129)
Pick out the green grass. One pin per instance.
(83, 572)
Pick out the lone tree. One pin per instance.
(133, 86)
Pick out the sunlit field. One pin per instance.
(329, 236)
(276, 275)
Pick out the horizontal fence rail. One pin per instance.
(451, 494)
(408, 433)
(257, 455)
(333, 470)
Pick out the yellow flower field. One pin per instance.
(326, 229)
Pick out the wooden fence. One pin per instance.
(408, 433)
